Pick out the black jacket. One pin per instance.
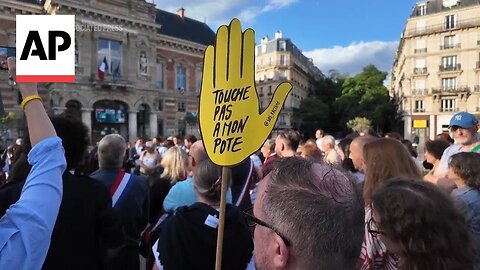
(186, 242)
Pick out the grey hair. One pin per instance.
(111, 151)
(319, 209)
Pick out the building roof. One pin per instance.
(436, 6)
(184, 28)
(35, 2)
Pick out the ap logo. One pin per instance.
(46, 45)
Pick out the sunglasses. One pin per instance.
(253, 221)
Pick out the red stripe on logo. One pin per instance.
(45, 78)
(116, 182)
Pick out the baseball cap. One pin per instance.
(463, 120)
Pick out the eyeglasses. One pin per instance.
(372, 224)
(253, 221)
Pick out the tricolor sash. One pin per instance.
(119, 187)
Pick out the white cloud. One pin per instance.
(354, 57)
(217, 12)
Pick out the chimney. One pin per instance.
(278, 34)
(181, 12)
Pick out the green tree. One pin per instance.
(364, 95)
(316, 111)
(359, 124)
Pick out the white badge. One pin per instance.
(211, 221)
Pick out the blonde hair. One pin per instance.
(174, 164)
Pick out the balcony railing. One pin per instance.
(420, 70)
(422, 50)
(451, 90)
(449, 109)
(461, 24)
(419, 110)
(456, 67)
(419, 92)
(450, 46)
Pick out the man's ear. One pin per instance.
(281, 252)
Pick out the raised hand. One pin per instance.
(231, 123)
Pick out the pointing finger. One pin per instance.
(248, 64)
(235, 50)
(221, 55)
(208, 75)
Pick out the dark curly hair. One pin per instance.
(423, 221)
(74, 134)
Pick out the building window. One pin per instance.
(450, 21)
(420, 46)
(77, 54)
(181, 78)
(449, 63)
(282, 74)
(449, 84)
(448, 105)
(421, 26)
(159, 82)
(198, 77)
(270, 62)
(181, 106)
(269, 90)
(282, 60)
(264, 48)
(422, 10)
(419, 106)
(160, 105)
(450, 42)
(282, 45)
(111, 51)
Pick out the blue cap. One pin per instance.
(463, 120)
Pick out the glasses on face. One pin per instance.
(253, 221)
(372, 227)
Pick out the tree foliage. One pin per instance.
(359, 124)
(338, 98)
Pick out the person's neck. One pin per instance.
(208, 202)
(460, 183)
(469, 145)
(288, 153)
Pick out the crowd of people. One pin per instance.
(359, 202)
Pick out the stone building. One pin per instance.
(154, 61)
(437, 66)
(279, 60)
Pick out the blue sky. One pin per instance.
(339, 34)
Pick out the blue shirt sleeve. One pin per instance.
(26, 228)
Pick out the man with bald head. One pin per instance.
(356, 151)
(307, 216)
(183, 192)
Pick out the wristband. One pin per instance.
(28, 99)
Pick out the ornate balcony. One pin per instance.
(445, 68)
(422, 70)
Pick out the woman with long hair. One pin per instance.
(419, 223)
(384, 158)
(174, 164)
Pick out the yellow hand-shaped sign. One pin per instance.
(231, 124)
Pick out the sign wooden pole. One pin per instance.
(226, 175)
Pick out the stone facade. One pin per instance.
(140, 94)
(436, 70)
(279, 60)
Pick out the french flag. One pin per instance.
(102, 69)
